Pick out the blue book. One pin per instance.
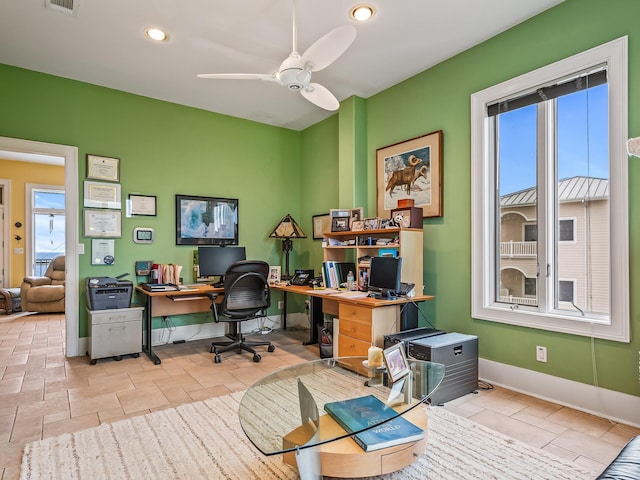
(358, 413)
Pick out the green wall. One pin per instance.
(439, 98)
(164, 150)
(167, 149)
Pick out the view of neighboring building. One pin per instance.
(581, 260)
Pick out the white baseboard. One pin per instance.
(616, 406)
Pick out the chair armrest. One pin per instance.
(214, 306)
(37, 281)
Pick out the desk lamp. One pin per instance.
(287, 229)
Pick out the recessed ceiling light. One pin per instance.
(156, 34)
(362, 13)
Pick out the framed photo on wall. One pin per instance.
(321, 224)
(142, 205)
(411, 169)
(102, 195)
(206, 220)
(103, 168)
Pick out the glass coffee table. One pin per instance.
(284, 413)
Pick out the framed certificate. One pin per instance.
(102, 251)
(102, 195)
(103, 168)
(102, 223)
(142, 205)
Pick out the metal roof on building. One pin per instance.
(569, 190)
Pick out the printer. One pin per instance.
(104, 293)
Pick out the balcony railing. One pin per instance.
(519, 300)
(40, 266)
(518, 249)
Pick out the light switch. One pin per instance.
(18, 251)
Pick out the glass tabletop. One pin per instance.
(292, 400)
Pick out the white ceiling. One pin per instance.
(104, 44)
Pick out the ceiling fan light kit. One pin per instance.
(295, 71)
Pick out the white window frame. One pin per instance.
(483, 252)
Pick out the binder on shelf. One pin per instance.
(358, 413)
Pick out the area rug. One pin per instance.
(204, 440)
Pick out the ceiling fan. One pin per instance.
(295, 71)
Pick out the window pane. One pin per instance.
(48, 200)
(517, 211)
(530, 286)
(583, 200)
(565, 291)
(531, 233)
(565, 230)
(49, 240)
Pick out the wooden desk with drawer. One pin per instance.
(361, 321)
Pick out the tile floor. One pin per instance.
(43, 394)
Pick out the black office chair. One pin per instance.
(246, 297)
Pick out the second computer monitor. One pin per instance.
(214, 261)
(384, 276)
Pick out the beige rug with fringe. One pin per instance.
(204, 440)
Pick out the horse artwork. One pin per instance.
(411, 170)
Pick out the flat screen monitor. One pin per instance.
(214, 261)
(384, 276)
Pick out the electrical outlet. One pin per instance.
(541, 354)
(280, 304)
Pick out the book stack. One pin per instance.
(335, 273)
(357, 413)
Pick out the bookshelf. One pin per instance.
(354, 246)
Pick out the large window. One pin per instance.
(549, 201)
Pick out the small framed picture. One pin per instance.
(142, 205)
(274, 274)
(396, 362)
(371, 223)
(321, 224)
(356, 215)
(103, 168)
(340, 224)
(339, 212)
(357, 225)
(102, 195)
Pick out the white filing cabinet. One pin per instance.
(115, 332)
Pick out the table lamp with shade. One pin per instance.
(287, 229)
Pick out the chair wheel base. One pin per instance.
(256, 358)
(217, 359)
(270, 348)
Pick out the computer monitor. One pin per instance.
(214, 261)
(384, 276)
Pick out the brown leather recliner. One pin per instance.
(45, 294)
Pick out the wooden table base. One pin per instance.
(345, 459)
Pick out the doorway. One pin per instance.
(26, 150)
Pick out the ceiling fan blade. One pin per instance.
(239, 76)
(320, 96)
(327, 49)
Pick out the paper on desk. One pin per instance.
(350, 294)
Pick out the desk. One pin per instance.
(270, 414)
(354, 311)
(194, 299)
